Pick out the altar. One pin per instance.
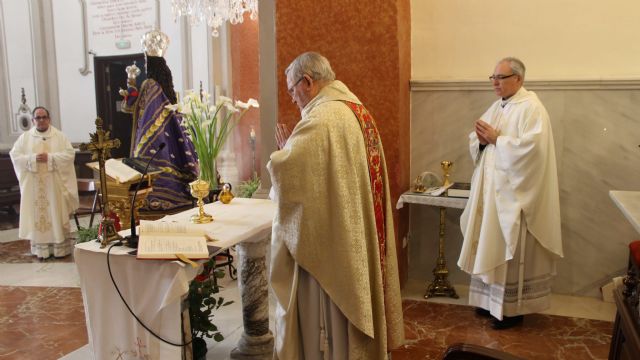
(154, 289)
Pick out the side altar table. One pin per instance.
(625, 342)
(440, 285)
(154, 289)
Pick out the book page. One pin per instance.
(164, 239)
(119, 171)
(166, 247)
(169, 227)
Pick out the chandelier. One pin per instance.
(214, 12)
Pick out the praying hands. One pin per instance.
(282, 134)
(486, 134)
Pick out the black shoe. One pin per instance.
(507, 322)
(482, 312)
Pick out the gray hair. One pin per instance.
(312, 64)
(517, 66)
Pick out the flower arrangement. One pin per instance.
(247, 188)
(202, 303)
(209, 126)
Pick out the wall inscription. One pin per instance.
(113, 22)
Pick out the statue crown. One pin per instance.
(155, 43)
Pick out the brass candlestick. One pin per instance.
(446, 166)
(199, 190)
(440, 285)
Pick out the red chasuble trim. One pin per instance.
(374, 159)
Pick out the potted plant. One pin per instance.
(202, 303)
(209, 126)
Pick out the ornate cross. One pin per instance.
(100, 147)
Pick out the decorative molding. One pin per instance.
(158, 14)
(268, 89)
(85, 52)
(477, 85)
(5, 86)
(187, 60)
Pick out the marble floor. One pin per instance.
(42, 317)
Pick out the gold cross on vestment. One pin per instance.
(100, 147)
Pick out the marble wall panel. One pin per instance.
(596, 134)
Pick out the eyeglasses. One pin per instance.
(290, 90)
(500, 77)
(38, 118)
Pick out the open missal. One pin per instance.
(165, 240)
(120, 171)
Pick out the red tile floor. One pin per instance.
(48, 322)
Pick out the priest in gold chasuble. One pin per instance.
(334, 268)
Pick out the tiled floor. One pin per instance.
(42, 317)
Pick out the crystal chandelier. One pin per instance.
(214, 12)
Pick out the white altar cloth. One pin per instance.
(154, 288)
(442, 201)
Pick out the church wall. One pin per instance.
(596, 137)
(582, 65)
(557, 39)
(368, 47)
(15, 38)
(77, 91)
(246, 84)
(189, 58)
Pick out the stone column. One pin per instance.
(256, 341)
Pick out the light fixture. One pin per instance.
(214, 12)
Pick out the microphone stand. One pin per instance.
(132, 240)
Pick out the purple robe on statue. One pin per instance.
(153, 125)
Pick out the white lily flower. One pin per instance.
(242, 105)
(230, 107)
(249, 104)
(253, 103)
(223, 100)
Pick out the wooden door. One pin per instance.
(110, 76)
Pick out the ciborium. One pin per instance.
(200, 190)
(446, 166)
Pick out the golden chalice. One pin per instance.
(199, 190)
(446, 166)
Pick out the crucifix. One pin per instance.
(100, 147)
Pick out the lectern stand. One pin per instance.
(121, 193)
